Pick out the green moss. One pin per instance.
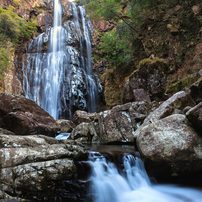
(15, 28)
(4, 61)
(175, 87)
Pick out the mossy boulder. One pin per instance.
(179, 85)
(150, 77)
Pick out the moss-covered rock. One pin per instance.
(149, 80)
(179, 85)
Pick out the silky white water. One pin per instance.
(60, 80)
(132, 184)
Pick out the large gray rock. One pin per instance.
(195, 117)
(83, 116)
(31, 166)
(113, 126)
(172, 141)
(86, 133)
(23, 116)
(174, 104)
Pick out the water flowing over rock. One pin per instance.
(109, 182)
(60, 80)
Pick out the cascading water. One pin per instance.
(132, 184)
(61, 80)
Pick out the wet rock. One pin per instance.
(195, 117)
(72, 34)
(65, 126)
(149, 80)
(173, 142)
(24, 116)
(31, 166)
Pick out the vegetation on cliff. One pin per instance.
(169, 29)
(13, 31)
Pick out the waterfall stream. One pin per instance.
(131, 183)
(60, 79)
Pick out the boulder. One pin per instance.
(23, 116)
(171, 141)
(65, 126)
(147, 82)
(31, 166)
(195, 117)
(174, 104)
(86, 133)
(112, 126)
(118, 124)
(83, 116)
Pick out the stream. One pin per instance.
(126, 179)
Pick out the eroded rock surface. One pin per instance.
(31, 166)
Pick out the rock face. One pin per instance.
(174, 105)
(23, 116)
(148, 82)
(195, 117)
(83, 116)
(113, 126)
(172, 141)
(31, 166)
(65, 126)
(195, 91)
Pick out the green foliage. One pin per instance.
(114, 49)
(15, 28)
(107, 9)
(4, 61)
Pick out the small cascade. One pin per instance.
(131, 183)
(60, 79)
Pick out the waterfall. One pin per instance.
(131, 183)
(60, 80)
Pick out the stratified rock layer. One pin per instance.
(31, 166)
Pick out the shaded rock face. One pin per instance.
(173, 142)
(113, 126)
(194, 115)
(23, 116)
(195, 91)
(31, 166)
(148, 82)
